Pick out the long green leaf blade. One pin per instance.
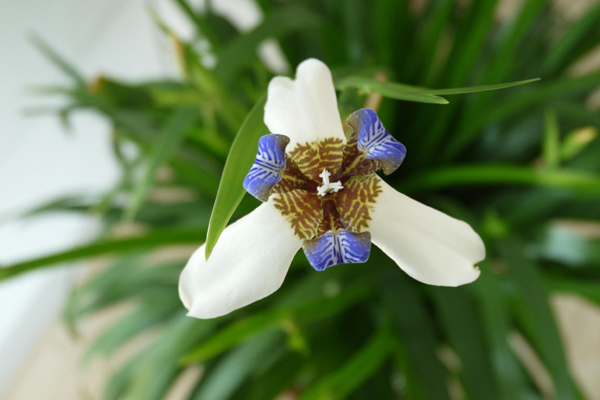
(231, 192)
(150, 240)
(476, 175)
(543, 330)
(390, 89)
(483, 88)
(416, 330)
(463, 324)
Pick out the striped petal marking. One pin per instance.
(326, 189)
(268, 166)
(375, 141)
(337, 247)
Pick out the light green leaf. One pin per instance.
(238, 365)
(551, 140)
(390, 89)
(240, 159)
(126, 329)
(414, 93)
(577, 141)
(165, 145)
(483, 88)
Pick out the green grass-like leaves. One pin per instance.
(510, 162)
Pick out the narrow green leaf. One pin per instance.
(478, 175)
(551, 140)
(463, 326)
(160, 365)
(484, 88)
(122, 377)
(542, 328)
(390, 89)
(510, 379)
(163, 148)
(416, 331)
(363, 364)
(153, 239)
(414, 93)
(238, 365)
(57, 59)
(240, 159)
(126, 329)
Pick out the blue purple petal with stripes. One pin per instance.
(337, 247)
(268, 166)
(375, 141)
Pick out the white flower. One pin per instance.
(321, 194)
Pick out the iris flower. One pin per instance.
(320, 193)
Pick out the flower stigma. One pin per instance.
(327, 186)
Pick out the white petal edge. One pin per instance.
(248, 263)
(427, 244)
(304, 109)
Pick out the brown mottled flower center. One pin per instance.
(327, 186)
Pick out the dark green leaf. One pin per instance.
(463, 325)
(364, 363)
(417, 332)
(540, 320)
(240, 159)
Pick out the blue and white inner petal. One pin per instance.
(268, 166)
(337, 247)
(375, 141)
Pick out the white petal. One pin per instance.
(427, 244)
(248, 263)
(305, 109)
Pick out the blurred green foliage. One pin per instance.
(510, 162)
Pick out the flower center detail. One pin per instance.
(327, 186)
